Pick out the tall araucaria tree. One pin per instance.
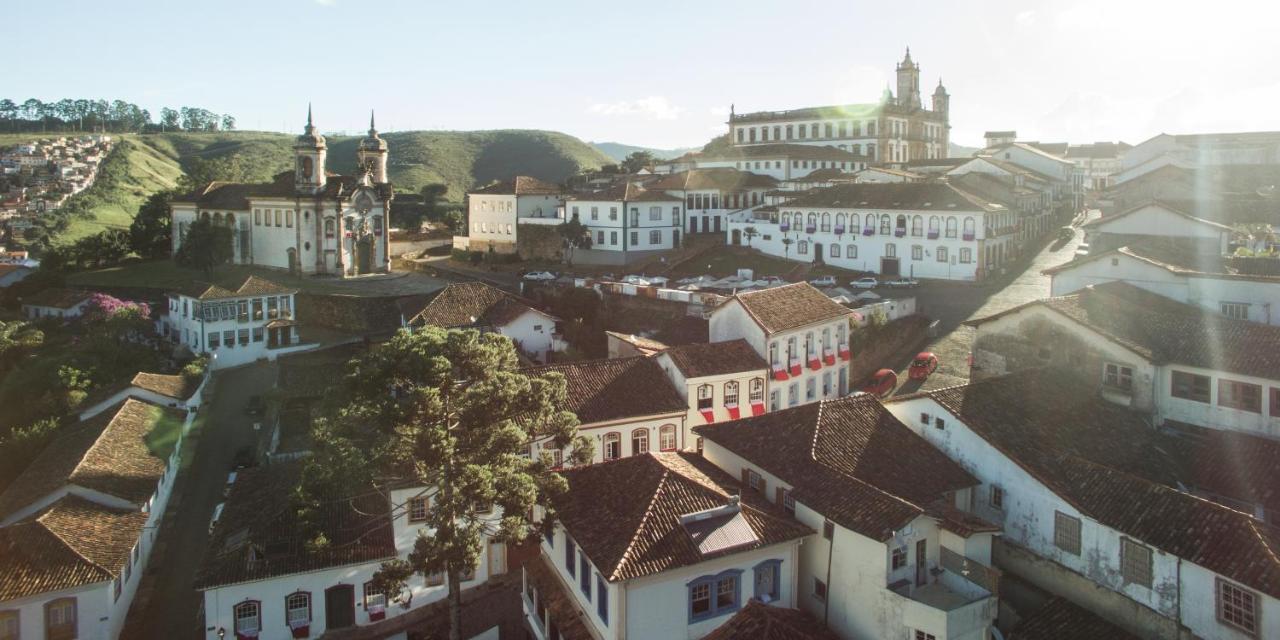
(447, 410)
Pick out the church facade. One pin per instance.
(308, 220)
(894, 130)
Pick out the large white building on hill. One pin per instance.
(307, 220)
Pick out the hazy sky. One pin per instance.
(659, 73)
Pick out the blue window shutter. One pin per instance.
(584, 574)
(602, 599)
(568, 554)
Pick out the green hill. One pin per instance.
(619, 152)
(144, 164)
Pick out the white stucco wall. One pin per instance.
(1212, 414)
(533, 331)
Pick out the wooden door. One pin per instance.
(922, 565)
(340, 607)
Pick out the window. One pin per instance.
(899, 559)
(766, 578)
(1066, 533)
(803, 248)
(655, 237)
(917, 252)
(258, 334)
(277, 216)
(939, 423)
(951, 227)
(655, 213)
(997, 497)
(712, 596)
(705, 399)
(639, 442)
(372, 598)
(613, 213)
(1117, 376)
(418, 509)
(810, 389)
(1237, 607)
(569, 554)
(248, 617)
(602, 599)
(754, 480)
(213, 341)
(731, 394)
(243, 335)
(1135, 562)
(942, 254)
(1275, 402)
(890, 250)
(612, 446)
(819, 590)
(595, 213)
(613, 238)
(1190, 386)
(1240, 395)
(10, 629)
(966, 255)
(828, 529)
(288, 218)
(757, 391)
(584, 575)
(297, 608)
(635, 238)
(851, 251)
(920, 635)
(884, 225)
(1237, 310)
(667, 437)
(793, 395)
(788, 502)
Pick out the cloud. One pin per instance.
(1025, 18)
(649, 108)
(327, 3)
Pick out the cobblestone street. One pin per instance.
(952, 304)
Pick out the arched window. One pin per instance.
(968, 228)
(667, 437)
(884, 225)
(810, 348)
(835, 250)
(813, 220)
(799, 220)
(826, 339)
(902, 224)
(217, 219)
(851, 251)
(231, 220)
(731, 393)
(297, 607)
(247, 617)
(60, 618)
(917, 226)
(757, 390)
(329, 227)
(804, 248)
(933, 226)
(841, 219)
(951, 227)
(826, 221)
(706, 396)
(612, 446)
(773, 353)
(792, 354)
(639, 442)
(204, 215)
(854, 225)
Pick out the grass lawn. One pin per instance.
(163, 437)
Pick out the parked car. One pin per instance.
(772, 281)
(823, 281)
(882, 383)
(256, 406)
(924, 364)
(868, 282)
(637, 280)
(217, 515)
(231, 480)
(903, 283)
(658, 280)
(539, 275)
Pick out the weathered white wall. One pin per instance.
(1212, 414)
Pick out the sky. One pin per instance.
(660, 74)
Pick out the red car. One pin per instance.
(924, 364)
(882, 383)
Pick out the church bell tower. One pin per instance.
(372, 154)
(908, 82)
(309, 160)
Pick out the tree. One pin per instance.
(636, 161)
(228, 122)
(149, 233)
(576, 236)
(786, 247)
(205, 246)
(750, 232)
(169, 119)
(447, 410)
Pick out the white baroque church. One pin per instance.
(308, 220)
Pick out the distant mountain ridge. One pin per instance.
(618, 151)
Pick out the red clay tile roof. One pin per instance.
(107, 453)
(520, 186)
(629, 192)
(1077, 447)
(602, 390)
(260, 534)
(57, 298)
(716, 358)
(759, 621)
(789, 307)
(465, 304)
(849, 459)
(719, 178)
(177, 387)
(923, 196)
(1059, 619)
(252, 286)
(644, 497)
(71, 543)
(1233, 465)
(646, 346)
(236, 196)
(1165, 331)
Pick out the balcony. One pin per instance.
(900, 232)
(784, 226)
(968, 236)
(868, 231)
(933, 235)
(839, 230)
(953, 603)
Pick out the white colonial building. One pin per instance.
(710, 195)
(898, 555)
(917, 229)
(1200, 150)
(495, 213)
(684, 547)
(802, 334)
(234, 327)
(1156, 220)
(720, 381)
(77, 525)
(56, 302)
(476, 305)
(628, 218)
(1093, 507)
(306, 220)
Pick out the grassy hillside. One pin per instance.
(148, 163)
(618, 151)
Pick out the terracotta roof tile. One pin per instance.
(719, 178)
(260, 535)
(1059, 619)
(520, 186)
(74, 542)
(926, 196)
(850, 459)
(716, 358)
(790, 306)
(645, 496)
(57, 298)
(627, 191)
(602, 390)
(759, 621)
(251, 286)
(177, 387)
(466, 304)
(564, 611)
(236, 196)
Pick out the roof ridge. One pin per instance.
(1266, 544)
(644, 519)
(40, 520)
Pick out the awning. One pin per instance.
(757, 408)
(733, 411)
(708, 414)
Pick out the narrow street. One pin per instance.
(951, 305)
(168, 605)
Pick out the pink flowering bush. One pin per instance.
(103, 306)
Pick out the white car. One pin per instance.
(903, 283)
(658, 280)
(868, 282)
(637, 280)
(539, 275)
(772, 281)
(231, 480)
(217, 515)
(824, 281)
